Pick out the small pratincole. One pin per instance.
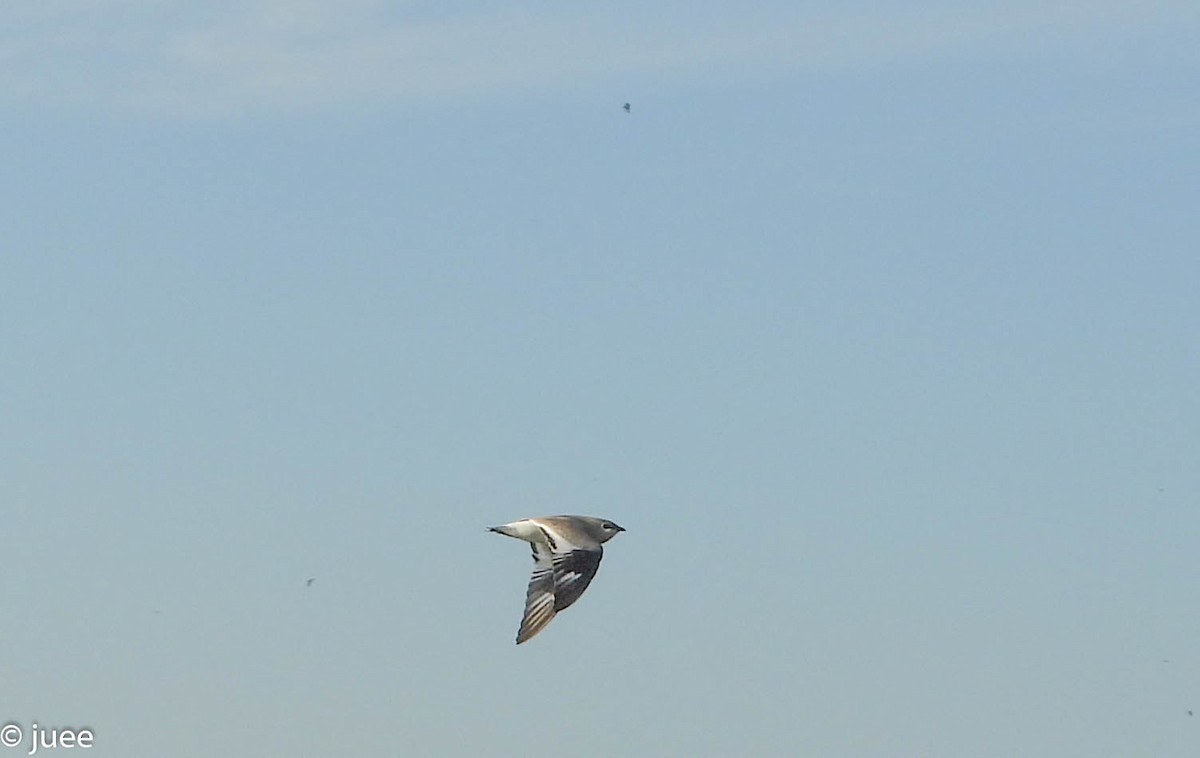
(566, 553)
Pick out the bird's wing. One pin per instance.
(563, 567)
(539, 597)
(573, 573)
(558, 580)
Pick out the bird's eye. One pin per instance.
(609, 525)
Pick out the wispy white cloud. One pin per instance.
(221, 57)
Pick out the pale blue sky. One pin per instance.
(878, 329)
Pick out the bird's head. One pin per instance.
(607, 529)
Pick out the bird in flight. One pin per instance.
(627, 107)
(566, 554)
(308, 582)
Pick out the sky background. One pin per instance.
(877, 325)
